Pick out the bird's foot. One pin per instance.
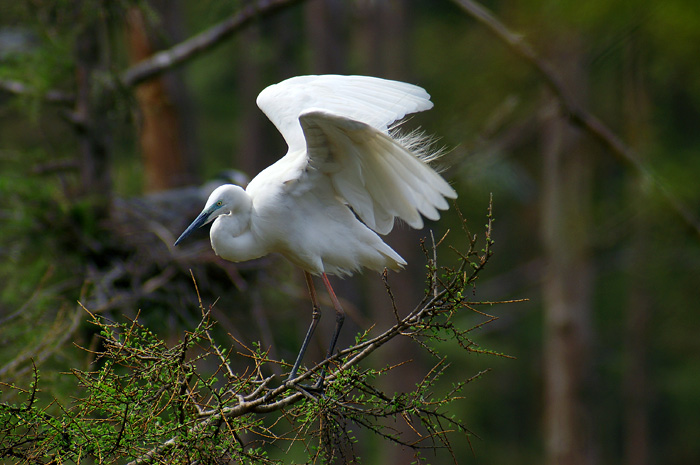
(317, 387)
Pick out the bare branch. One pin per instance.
(578, 115)
(201, 42)
(51, 96)
(166, 59)
(61, 330)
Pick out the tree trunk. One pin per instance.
(380, 39)
(253, 154)
(638, 307)
(327, 26)
(162, 143)
(567, 285)
(92, 135)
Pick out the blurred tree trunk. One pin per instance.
(173, 18)
(638, 308)
(380, 39)
(95, 174)
(327, 28)
(253, 153)
(261, 144)
(567, 285)
(162, 138)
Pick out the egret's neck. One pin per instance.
(231, 235)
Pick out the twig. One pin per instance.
(434, 264)
(163, 60)
(218, 417)
(266, 400)
(577, 114)
(46, 347)
(199, 43)
(5, 320)
(51, 96)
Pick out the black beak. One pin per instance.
(200, 221)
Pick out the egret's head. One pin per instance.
(223, 201)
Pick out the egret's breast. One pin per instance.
(233, 240)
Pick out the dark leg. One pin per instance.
(315, 316)
(339, 319)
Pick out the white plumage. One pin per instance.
(344, 180)
(341, 154)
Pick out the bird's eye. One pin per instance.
(219, 203)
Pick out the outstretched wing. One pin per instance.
(339, 127)
(380, 178)
(373, 101)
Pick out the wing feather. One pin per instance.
(379, 178)
(337, 128)
(374, 101)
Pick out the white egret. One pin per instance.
(344, 180)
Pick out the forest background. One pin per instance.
(580, 118)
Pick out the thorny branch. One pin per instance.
(149, 402)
